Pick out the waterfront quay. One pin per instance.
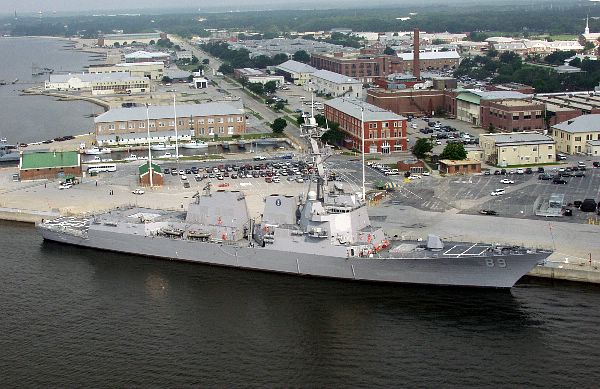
(576, 253)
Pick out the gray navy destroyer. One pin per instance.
(324, 234)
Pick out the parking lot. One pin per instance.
(470, 194)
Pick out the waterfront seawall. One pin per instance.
(25, 215)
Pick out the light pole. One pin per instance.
(176, 137)
(149, 149)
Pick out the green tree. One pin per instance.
(270, 87)
(588, 46)
(389, 51)
(278, 125)
(422, 147)
(226, 68)
(279, 105)
(575, 62)
(205, 61)
(167, 79)
(300, 120)
(491, 129)
(334, 135)
(301, 56)
(454, 151)
(256, 87)
(152, 42)
(116, 44)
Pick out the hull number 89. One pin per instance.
(500, 262)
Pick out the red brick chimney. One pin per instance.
(416, 62)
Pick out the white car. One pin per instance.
(498, 192)
(259, 158)
(507, 181)
(299, 180)
(138, 191)
(426, 174)
(414, 126)
(183, 177)
(520, 171)
(65, 185)
(276, 179)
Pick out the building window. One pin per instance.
(200, 121)
(220, 120)
(577, 139)
(240, 119)
(131, 125)
(385, 124)
(372, 125)
(211, 130)
(221, 130)
(111, 127)
(230, 130)
(230, 120)
(211, 121)
(152, 124)
(121, 126)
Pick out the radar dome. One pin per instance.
(312, 195)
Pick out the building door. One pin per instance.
(373, 148)
(385, 147)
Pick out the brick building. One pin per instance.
(49, 164)
(413, 102)
(144, 176)
(466, 166)
(431, 60)
(383, 131)
(511, 115)
(363, 67)
(128, 125)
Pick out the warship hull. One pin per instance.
(481, 271)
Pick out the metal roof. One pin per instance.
(336, 78)
(94, 77)
(516, 138)
(49, 159)
(584, 123)
(143, 169)
(353, 108)
(166, 112)
(146, 55)
(292, 66)
(430, 55)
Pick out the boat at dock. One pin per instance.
(225, 145)
(96, 151)
(162, 147)
(131, 157)
(242, 144)
(8, 152)
(198, 144)
(326, 233)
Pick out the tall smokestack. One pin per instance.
(416, 62)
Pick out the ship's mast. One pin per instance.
(362, 135)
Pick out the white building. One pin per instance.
(334, 84)
(200, 82)
(98, 84)
(146, 56)
(151, 70)
(296, 72)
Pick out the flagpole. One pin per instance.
(149, 149)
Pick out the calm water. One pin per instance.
(74, 317)
(35, 118)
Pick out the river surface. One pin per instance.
(36, 118)
(73, 317)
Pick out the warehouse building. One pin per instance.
(571, 136)
(517, 148)
(129, 125)
(334, 84)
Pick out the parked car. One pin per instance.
(507, 181)
(488, 212)
(588, 205)
(498, 192)
(138, 191)
(558, 180)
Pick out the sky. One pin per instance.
(47, 6)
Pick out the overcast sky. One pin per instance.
(62, 6)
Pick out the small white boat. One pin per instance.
(107, 160)
(166, 155)
(96, 151)
(194, 145)
(132, 157)
(162, 147)
(96, 159)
